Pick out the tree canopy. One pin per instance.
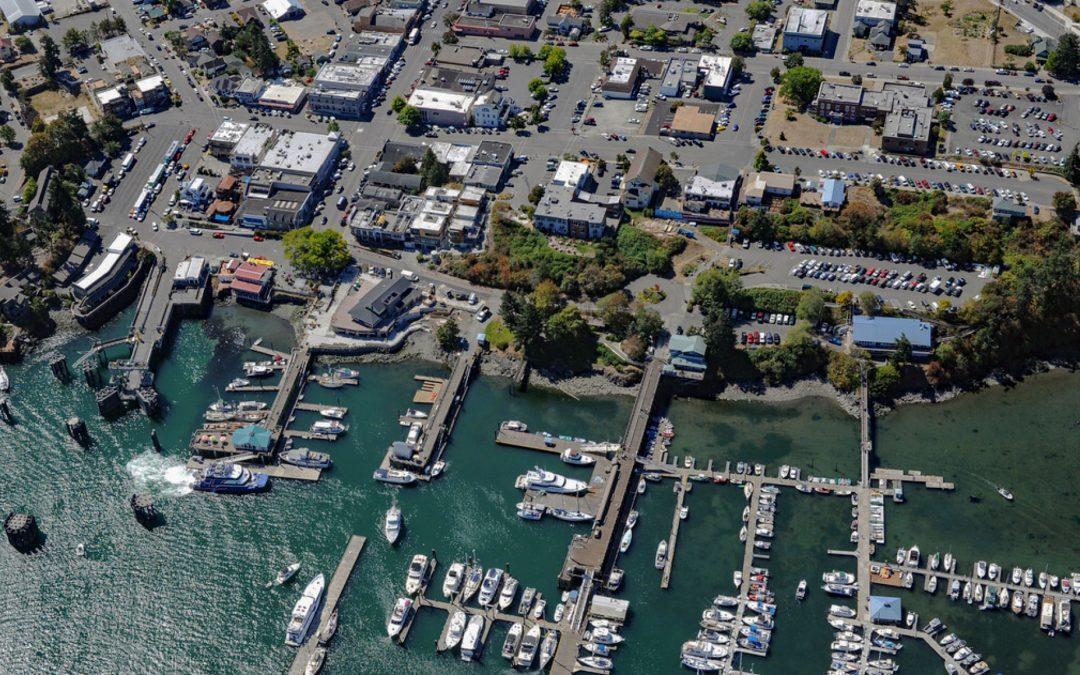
(316, 253)
(800, 85)
(1064, 62)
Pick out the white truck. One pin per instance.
(935, 285)
(410, 275)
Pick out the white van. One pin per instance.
(410, 275)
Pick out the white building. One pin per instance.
(302, 160)
(804, 29)
(873, 12)
(571, 174)
(717, 75)
(342, 89)
(623, 80)
(445, 108)
(702, 194)
(491, 109)
(282, 10)
(287, 97)
(250, 148)
(190, 273)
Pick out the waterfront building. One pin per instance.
(878, 334)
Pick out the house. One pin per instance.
(880, 36)
(760, 186)
(283, 10)
(80, 255)
(1041, 48)
(709, 189)
(37, 205)
(686, 357)
(639, 183)
(690, 121)
(151, 93)
(832, 194)
(13, 302)
(879, 334)
(559, 213)
(211, 64)
(567, 21)
(885, 610)
(907, 131)
(8, 52)
(916, 51)
(250, 282)
(804, 30)
(1008, 210)
(623, 79)
(21, 14)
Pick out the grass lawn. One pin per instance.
(498, 335)
(49, 103)
(807, 132)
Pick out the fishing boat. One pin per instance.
(935, 560)
(527, 597)
(393, 524)
(994, 572)
(305, 611)
(800, 592)
(837, 577)
(530, 510)
(489, 588)
(661, 555)
(315, 663)
(394, 476)
(1064, 620)
(1018, 602)
(539, 606)
(954, 589)
(508, 593)
(456, 630)
(309, 459)
(737, 578)
(571, 515)
(576, 457)
(1017, 576)
(526, 653)
(510, 644)
(547, 647)
(284, 575)
(1032, 607)
(1005, 493)
(546, 481)
(221, 406)
(333, 413)
(624, 544)
(470, 642)
(237, 383)
(327, 633)
(597, 662)
(417, 574)
(231, 479)
(329, 427)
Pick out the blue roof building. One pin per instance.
(884, 609)
(832, 193)
(687, 357)
(880, 333)
(252, 438)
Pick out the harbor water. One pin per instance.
(189, 596)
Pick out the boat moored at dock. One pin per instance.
(305, 611)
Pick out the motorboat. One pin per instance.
(684, 512)
(760, 620)
(1064, 620)
(333, 413)
(230, 479)
(514, 425)
(980, 569)
(632, 518)
(306, 458)
(725, 601)
(560, 611)
(1029, 577)
(513, 637)
(1003, 597)
(328, 427)
(1017, 576)
(526, 653)
(701, 665)
(218, 406)
(842, 590)
(661, 555)
(931, 584)
(394, 476)
(547, 647)
(470, 642)
(571, 515)
(417, 574)
(913, 556)
(606, 636)
(527, 597)
(456, 630)
(901, 555)
(539, 606)
(800, 592)
(547, 481)
(837, 577)
(489, 588)
(305, 611)
(954, 589)
(327, 633)
(843, 646)
(345, 373)
(737, 578)
(284, 575)
(641, 486)
(315, 663)
(393, 524)
(597, 662)
(577, 457)
(935, 560)
(508, 593)
(1018, 602)
(717, 615)
(842, 611)
(949, 564)
(454, 576)
(994, 572)
(704, 649)
(257, 370)
(414, 414)
(615, 579)
(530, 510)
(624, 543)
(1005, 493)
(1032, 607)
(1043, 578)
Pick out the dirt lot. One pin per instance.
(805, 131)
(49, 103)
(861, 52)
(962, 37)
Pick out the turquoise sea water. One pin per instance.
(189, 597)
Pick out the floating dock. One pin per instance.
(430, 389)
(665, 578)
(333, 595)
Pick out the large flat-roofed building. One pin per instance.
(287, 97)
(571, 174)
(310, 157)
(21, 14)
(907, 131)
(342, 89)
(251, 146)
(151, 93)
(702, 193)
(623, 80)
(804, 30)
(384, 303)
(716, 76)
(446, 108)
(758, 187)
(224, 139)
(559, 213)
(508, 6)
(110, 273)
(851, 103)
(873, 12)
(680, 75)
(506, 26)
(880, 333)
(690, 121)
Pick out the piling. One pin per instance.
(154, 440)
(59, 367)
(109, 402)
(76, 428)
(145, 512)
(22, 531)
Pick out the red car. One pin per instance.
(258, 237)
(219, 235)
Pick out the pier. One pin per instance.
(330, 602)
(665, 578)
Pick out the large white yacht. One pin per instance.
(305, 611)
(547, 481)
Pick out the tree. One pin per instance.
(761, 162)
(869, 303)
(410, 117)
(1072, 166)
(50, 63)
(65, 140)
(647, 324)
(759, 10)
(569, 341)
(398, 104)
(517, 122)
(316, 253)
(947, 82)
(800, 85)
(1064, 205)
(538, 90)
(742, 43)
(7, 80)
(704, 38)
(434, 172)
(536, 194)
(947, 7)
(901, 352)
(521, 53)
(75, 41)
(843, 371)
(1048, 92)
(555, 63)
(886, 378)
(7, 135)
(655, 36)
(738, 65)
(666, 182)
(614, 310)
(625, 25)
(108, 132)
(793, 60)
(24, 44)
(1064, 62)
(523, 319)
(811, 307)
(405, 165)
(448, 335)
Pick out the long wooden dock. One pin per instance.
(259, 348)
(665, 578)
(333, 596)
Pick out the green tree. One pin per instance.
(800, 85)
(902, 353)
(666, 182)
(538, 90)
(398, 104)
(614, 310)
(521, 53)
(75, 41)
(761, 162)
(7, 80)
(704, 38)
(314, 253)
(655, 36)
(523, 319)
(516, 122)
(448, 335)
(843, 371)
(947, 7)
(742, 43)
(555, 62)
(793, 60)
(1072, 166)
(1064, 62)
(65, 140)
(108, 132)
(886, 379)
(24, 44)
(536, 194)
(869, 303)
(1064, 206)
(50, 63)
(410, 117)
(947, 82)
(434, 172)
(811, 307)
(569, 341)
(759, 10)
(7, 135)
(647, 324)
(626, 25)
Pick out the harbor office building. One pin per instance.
(879, 334)
(110, 274)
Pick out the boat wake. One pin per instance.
(160, 475)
